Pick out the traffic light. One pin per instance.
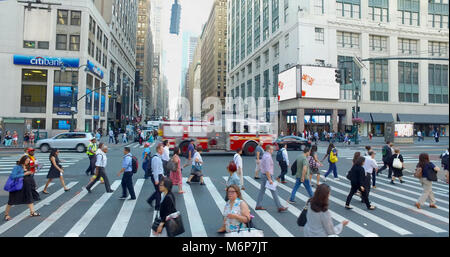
(338, 75)
(348, 77)
(354, 108)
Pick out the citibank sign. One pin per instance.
(46, 61)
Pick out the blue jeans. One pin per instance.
(332, 167)
(298, 182)
(127, 184)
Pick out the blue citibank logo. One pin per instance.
(46, 61)
(95, 69)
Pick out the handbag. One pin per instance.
(197, 167)
(156, 222)
(174, 226)
(397, 163)
(418, 172)
(301, 220)
(13, 185)
(349, 175)
(431, 174)
(250, 231)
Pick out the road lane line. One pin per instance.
(40, 189)
(82, 223)
(195, 220)
(218, 198)
(155, 212)
(436, 184)
(391, 211)
(367, 215)
(276, 226)
(351, 225)
(411, 186)
(44, 225)
(26, 213)
(123, 218)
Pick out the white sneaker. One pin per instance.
(337, 179)
(324, 179)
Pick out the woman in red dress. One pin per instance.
(176, 176)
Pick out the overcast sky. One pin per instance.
(194, 13)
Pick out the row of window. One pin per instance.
(63, 17)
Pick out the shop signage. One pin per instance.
(317, 111)
(96, 117)
(63, 113)
(46, 61)
(95, 69)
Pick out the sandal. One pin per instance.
(348, 207)
(371, 208)
(7, 218)
(35, 214)
(182, 192)
(45, 193)
(66, 190)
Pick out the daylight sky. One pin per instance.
(194, 13)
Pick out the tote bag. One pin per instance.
(13, 185)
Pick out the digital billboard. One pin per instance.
(288, 84)
(404, 130)
(319, 82)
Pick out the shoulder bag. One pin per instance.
(431, 174)
(174, 225)
(418, 172)
(250, 231)
(13, 185)
(397, 163)
(301, 220)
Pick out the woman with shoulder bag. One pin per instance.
(358, 181)
(236, 212)
(429, 174)
(397, 165)
(176, 176)
(167, 209)
(318, 219)
(26, 195)
(314, 164)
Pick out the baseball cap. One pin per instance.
(30, 149)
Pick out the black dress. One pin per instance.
(397, 172)
(27, 195)
(54, 172)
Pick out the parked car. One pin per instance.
(78, 141)
(293, 142)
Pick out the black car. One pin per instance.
(293, 142)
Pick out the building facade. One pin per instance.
(194, 75)
(214, 52)
(47, 57)
(266, 37)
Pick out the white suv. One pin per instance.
(70, 140)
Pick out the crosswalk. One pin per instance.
(67, 160)
(99, 214)
(137, 145)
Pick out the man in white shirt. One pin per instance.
(100, 164)
(238, 161)
(157, 176)
(370, 167)
(197, 162)
(166, 157)
(111, 136)
(283, 165)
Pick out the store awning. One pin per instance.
(382, 117)
(424, 118)
(365, 116)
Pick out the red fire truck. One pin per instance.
(242, 134)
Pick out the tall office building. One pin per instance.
(175, 18)
(266, 37)
(156, 24)
(214, 52)
(189, 44)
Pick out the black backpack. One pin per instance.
(444, 161)
(149, 165)
(134, 164)
(280, 155)
(294, 168)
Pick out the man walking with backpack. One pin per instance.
(129, 167)
(238, 161)
(157, 172)
(387, 155)
(283, 161)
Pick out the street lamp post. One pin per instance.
(357, 94)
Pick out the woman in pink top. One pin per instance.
(176, 176)
(15, 138)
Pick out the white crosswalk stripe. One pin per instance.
(40, 189)
(392, 202)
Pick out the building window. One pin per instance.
(275, 15)
(29, 44)
(319, 32)
(437, 48)
(249, 88)
(249, 69)
(347, 39)
(378, 43)
(408, 12)
(74, 43)
(438, 14)
(257, 86)
(61, 42)
(266, 56)
(265, 19)
(345, 63)
(275, 71)
(34, 91)
(62, 124)
(438, 84)
(286, 11)
(257, 22)
(63, 16)
(243, 90)
(286, 41)
(258, 62)
(276, 50)
(348, 8)
(407, 46)
(318, 7)
(43, 45)
(379, 81)
(62, 98)
(105, 42)
(75, 18)
(408, 82)
(66, 77)
(379, 11)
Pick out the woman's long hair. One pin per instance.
(330, 147)
(355, 157)
(424, 159)
(53, 152)
(22, 160)
(319, 202)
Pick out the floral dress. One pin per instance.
(176, 176)
(232, 224)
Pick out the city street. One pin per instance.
(77, 213)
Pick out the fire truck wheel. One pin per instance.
(249, 149)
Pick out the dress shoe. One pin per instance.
(260, 208)
(282, 209)
(433, 206)
(418, 205)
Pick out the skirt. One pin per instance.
(176, 177)
(397, 172)
(27, 195)
(53, 172)
(315, 171)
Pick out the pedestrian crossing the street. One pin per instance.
(67, 160)
(81, 214)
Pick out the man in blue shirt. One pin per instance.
(127, 179)
(157, 176)
(191, 149)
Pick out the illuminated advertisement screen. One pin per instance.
(404, 130)
(288, 84)
(319, 82)
(63, 124)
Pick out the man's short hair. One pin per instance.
(307, 150)
(159, 146)
(371, 153)
(268, 147)
(238, 150)
(126, 148)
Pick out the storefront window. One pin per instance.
(34, 91)
(62, 124)
(62, 98)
